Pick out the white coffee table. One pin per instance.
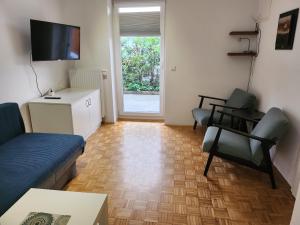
(84, 208)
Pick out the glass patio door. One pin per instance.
(140, 60)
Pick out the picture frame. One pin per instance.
(286, 30)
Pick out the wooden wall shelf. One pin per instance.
(253, 54)
(247, 33)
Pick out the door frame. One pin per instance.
(118, 63)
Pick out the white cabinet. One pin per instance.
(86, 114)
(77, 112)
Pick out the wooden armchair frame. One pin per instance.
(214, 106)
(202, 98)
(266, 166)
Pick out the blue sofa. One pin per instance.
(32, 159)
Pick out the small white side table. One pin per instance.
(84, 208)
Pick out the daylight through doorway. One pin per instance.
(140, 58)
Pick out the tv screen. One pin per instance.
(53, 41)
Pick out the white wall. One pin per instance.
(94, 18)
(296, 213)
(17, 83)
(197, 43)
(276, 83)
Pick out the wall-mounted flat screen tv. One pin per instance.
(53, 41)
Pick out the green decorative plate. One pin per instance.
(39, 219)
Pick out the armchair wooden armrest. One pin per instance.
(238, 116)
(209, 97)
(262, 140)
(222, 106)
(227, 107)
(214, 98)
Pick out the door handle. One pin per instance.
(90, 101)
(87, 103)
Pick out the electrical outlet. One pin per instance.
(173, 68)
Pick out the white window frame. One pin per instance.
(118, 63)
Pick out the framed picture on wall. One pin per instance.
(286, 30)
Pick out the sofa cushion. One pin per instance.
(11, 122)
(273, 125)
(229, 143)
(27, 160)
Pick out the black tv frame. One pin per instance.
(34, 20)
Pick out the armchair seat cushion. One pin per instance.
(229, 143)
(202, 116)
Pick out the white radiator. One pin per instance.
(88, 78)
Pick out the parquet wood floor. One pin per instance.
(153, 175)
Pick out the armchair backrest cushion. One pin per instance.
(241, 99)
(272, 126)
(11, 122)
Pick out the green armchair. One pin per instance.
(238, 100)
(252, 149)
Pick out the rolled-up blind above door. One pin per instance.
(139, 18)
(139, 24)
(137, 1)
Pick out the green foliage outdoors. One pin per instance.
(140, 63)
